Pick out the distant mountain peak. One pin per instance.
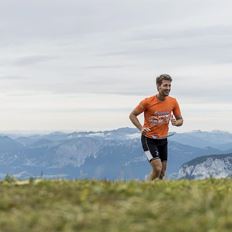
(211, 166)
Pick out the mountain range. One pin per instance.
(114, 154)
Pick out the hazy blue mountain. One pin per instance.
(117, 161)
(30, 140)
(215, 166)
(228, 150)
(113, 154)
(179, 154)
(216, 139)
(127, 160)
(9, 145)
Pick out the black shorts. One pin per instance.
(155, 148)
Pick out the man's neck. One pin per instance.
(160, 97)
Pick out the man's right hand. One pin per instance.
(144, 130)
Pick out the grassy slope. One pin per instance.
(117, 206)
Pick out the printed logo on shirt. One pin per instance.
(160, 118)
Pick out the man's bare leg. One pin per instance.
(156, 169)
(163, 171)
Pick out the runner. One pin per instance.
(158, 111)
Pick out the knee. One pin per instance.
(156, 166)
(157, 169)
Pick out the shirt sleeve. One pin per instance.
(141, 107)
(176, 110)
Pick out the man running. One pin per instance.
(158, 111)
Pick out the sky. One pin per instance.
(81, 65)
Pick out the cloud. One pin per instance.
(106, 67)
(32, 60)
(115, 48)
(184, 32)
(74, 18)
(12, 78)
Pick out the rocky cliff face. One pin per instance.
(215, 166)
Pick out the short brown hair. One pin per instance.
(162, 77)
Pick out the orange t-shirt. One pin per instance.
(157, 115)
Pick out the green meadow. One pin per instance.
(110, 206)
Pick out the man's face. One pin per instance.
(165, 88)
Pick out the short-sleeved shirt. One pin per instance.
(157, 115)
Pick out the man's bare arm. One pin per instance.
(134, 119)
(177, 121)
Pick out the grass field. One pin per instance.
(105, 206)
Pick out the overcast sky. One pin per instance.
(74, 65)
